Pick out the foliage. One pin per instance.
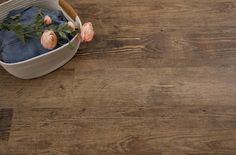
(35, 30)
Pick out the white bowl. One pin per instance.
(46, 63)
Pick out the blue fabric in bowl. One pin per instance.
(13, 50)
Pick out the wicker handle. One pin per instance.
(68, 9)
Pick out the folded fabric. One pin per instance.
(13, 50)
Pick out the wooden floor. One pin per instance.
(159, 79)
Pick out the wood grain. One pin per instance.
(158, 79)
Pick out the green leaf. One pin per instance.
(18, 27)
(15, 17)
(61, 27)
(21, 37)
(38, 34)
(67, 31)
(71, 45)
(52, 27)
(5, 27)
(63, 35)
(74, 33)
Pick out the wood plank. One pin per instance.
(5, 123)
(184, 129)
(94, 86)
(5, 128)
(158, 79)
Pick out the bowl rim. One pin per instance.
(8, 1)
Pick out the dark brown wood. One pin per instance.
(68, 9)
(158, 79)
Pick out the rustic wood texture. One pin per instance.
(158, 79)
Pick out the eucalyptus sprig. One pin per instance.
(37, 28)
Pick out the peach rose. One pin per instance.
(71, 25)
(47, 20)
(87, 32)
(49, 39)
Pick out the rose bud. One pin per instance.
(87, 32)
(47, 20)
(49, 39)
(71, 25)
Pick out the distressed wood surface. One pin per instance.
(158, 79)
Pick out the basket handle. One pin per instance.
(68, 9)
